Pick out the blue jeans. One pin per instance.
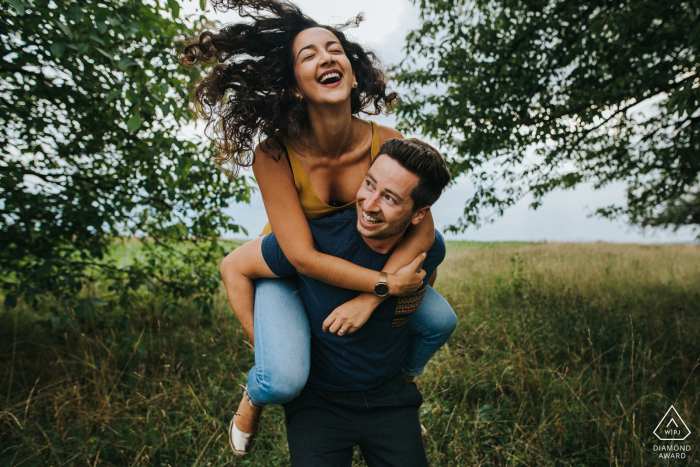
(283, 334)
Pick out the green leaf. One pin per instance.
(57, 49)
(30, 295)
(10, 300)
(59, 322)
(134, 123)
(75, 13)
(113, 95)
(64, 28)
(203, 4)
(44, 270)
(184, 165)
(125, 63)
(174, 7)
(97, 39)
(105, 53)
(56, 322)
(85, 308)
(19, 6)
(69, 279)
(114, 21)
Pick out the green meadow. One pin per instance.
(565, 355)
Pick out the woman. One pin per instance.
(300, 85)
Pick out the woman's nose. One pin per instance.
(326, 57)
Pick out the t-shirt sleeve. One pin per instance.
(435, 256)
(274, 257)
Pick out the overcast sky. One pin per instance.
(563, 216)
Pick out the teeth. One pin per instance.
(325, 78)
(369, 219)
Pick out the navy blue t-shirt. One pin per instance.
(376, 351)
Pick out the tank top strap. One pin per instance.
(311, 204)
(301, 179)
(374, 151)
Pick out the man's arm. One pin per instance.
(238, 271)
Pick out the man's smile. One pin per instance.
(368, 220)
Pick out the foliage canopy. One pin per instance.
(535, 96)
(92, 105)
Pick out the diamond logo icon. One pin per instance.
(672, 427)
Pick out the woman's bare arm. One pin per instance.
(352, 315)
(294, 236)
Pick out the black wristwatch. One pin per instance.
(382, 287)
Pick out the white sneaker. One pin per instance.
(241, 443)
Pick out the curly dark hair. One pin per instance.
(248, 92)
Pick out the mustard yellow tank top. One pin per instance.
(311, 204)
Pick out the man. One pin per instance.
(356, 393)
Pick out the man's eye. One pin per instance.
(390, 199)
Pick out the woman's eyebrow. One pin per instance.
(311, 46)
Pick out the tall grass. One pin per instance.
(565, 354)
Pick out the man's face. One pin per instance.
(384, 203)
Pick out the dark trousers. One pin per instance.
(324, 426)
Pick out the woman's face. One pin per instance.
(321, 68)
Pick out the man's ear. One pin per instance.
(419, 215)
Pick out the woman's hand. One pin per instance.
(408, 279)
(352, 315)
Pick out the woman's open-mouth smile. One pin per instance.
(330, 78)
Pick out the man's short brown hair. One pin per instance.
(424, 161)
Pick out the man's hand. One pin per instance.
(352, 315)
(408, 279)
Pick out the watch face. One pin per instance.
(381, 290)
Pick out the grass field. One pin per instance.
(565, 354)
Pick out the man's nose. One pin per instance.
(371, 203)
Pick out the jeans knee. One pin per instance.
(278, 389)
(442, 329)
(450, 323)
(285, 392)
